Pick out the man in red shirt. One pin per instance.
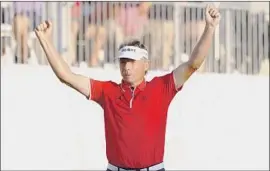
(135, 111)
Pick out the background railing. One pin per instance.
(89, 33)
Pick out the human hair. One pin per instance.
(135, 43)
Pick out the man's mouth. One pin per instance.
(126, 74)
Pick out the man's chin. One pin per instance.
(127, 79)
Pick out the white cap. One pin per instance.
(132, 52)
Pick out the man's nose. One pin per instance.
(128, 65)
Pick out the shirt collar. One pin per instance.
(126, 86)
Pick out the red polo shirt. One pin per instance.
(135, 122)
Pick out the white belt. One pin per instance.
(155, 167)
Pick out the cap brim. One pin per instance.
(129, 57)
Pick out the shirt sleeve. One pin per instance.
(97, 91)
(168, 88)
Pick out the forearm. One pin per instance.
(202, 47)
(59, 66)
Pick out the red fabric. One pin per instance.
(135, 136)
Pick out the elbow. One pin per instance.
(193, 65)
(196, 61)
(64, 77)
(62, 80)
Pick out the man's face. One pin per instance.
(133, 71)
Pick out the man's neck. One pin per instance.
(134, 85)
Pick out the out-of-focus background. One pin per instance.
(220, 120)
(89, 33)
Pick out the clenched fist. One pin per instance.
(44, 30)
(212, 16)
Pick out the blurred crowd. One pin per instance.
(98, 28)
(109, 24)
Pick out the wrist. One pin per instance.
(210, 27)
(46, 39)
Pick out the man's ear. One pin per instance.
(146, 65)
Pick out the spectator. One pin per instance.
(161, 32)
(75, 21)
(25, 18)
(129, 17)
(123, 24)
(87, 25)
(103, 21)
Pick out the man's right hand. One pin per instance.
(44, 30)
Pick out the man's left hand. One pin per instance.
(212, 16)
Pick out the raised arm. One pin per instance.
(59, 66)
(185, 70)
